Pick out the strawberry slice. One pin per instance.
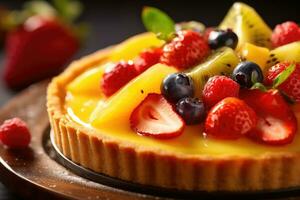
(155, 117)
(277, 123)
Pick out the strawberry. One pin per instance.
(146, 59)
(285, 33)
(155, 117)
(187, 49)
(231, 118)
(14, 133)
(207, 32)
(277, 123)
(291, 86)
(218, 88)
(117, 76)
(36, 50)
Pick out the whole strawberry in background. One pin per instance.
(40, 44)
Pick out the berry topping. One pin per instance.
(177, 86)
(218, 88)
(277, 123)
(220, 38)
(187, 49)
(231, 118)
(14, 133)
(290, 86)
(192, 110)
(207, 32)
(146, 59)
(155, 117)
(117, 76)
(247, 73)
(285, 33)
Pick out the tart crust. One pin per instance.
(97, 151)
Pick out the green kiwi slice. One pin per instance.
(248, 25)
(289, 52)
(220, 62)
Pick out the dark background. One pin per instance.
(113, 21)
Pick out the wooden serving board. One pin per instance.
(34, 173)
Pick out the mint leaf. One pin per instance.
(158, 22)
(284, 75)
(259, 86)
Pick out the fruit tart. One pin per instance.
(187, 107)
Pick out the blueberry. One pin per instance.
(177, 86)
(192, 110)
(220, 38)
(247, 73)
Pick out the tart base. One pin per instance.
(100, 153)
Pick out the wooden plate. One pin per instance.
(41, 172)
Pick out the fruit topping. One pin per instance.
(218, 88)
(221, 62)
(289, 52)
(119, 106)
(291, 85)
(191, 25)
(14, 133)
(155, 117)
(247, 73)
(248, 25)
(256, 54)
(219, 38)
(192, 110)
(186, 50)
(277, 123)
(132, 47)
(117, 76)
(147, 59)
(285, 33)
(231, 118)
(177, 86)
(207, 32)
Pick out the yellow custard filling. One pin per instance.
(87, 106)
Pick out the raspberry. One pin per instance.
(147, 59)
(285, 33)
(118, 76)
(218, 88)
(291, 86)
(188, 49)
(14, 133)
(231, 118)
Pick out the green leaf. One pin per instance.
(284, 75)
(259, 86)
(158, 22)
(69, 10)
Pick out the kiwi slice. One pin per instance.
(289, 52)
(248, 25)
(220, 62)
